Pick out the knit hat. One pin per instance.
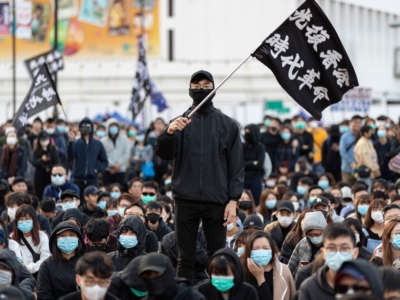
(313, 220)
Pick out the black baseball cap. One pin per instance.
(285, 205)
(90, 190)
(199, 75)
(153, 262)
(320, 201)
(18, 180)
(253, 221)
(69, 193)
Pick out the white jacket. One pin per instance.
(24, 255)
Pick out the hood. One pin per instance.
(234, 258)
(86, 120)
(254, 134)
(65, 225)
(8, 258)
(135, 224)
(130, 276)
(370, 273)
(75, 213)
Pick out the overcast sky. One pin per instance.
(392, 6)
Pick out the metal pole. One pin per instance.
(14, 60)
(218, 86)
(55, 110)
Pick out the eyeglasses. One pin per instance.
(58, 174)
(148, 194)
(91, 282)
(341, 249)
(206, 86)
(343, 289)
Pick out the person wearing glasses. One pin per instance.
(59, 183)
(149, 192)
(93, 275)
(339, 245)
(208, 172)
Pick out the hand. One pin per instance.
(256, 270)
(178, 125)
(304, 147)
(10, 180)
(230, 212)
(71, 135)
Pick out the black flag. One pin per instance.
(52, 58)
(308, 59)
(141, 84)
(41, 96)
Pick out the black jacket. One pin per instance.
(271, 144)
(78, 296)
(253, 151)
(169, 248)
(305, 139)
(316, 287)
(88, 160)
(162, 230)
(122, 256)
(275, 230)
(151, 241)
(128, 278)
(21, 279)
(240, 291)
(207, 158)
(57, 277)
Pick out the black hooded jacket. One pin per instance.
(56, 274)
(253, 151)
(207, 158)
(122, 256)
(128, 278)
(87, 159)
(21, 278)
(240, 291)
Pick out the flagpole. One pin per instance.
(218, 86)
(14, 59)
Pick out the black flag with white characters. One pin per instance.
(52, 58)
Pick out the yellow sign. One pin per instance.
(87, 29)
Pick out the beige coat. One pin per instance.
(284, 287)
(365, 154)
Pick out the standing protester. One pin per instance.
(271, 139)
(305, 140)
(86, 155)
(209, 143)
(365, 154)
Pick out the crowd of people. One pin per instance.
(95, 210)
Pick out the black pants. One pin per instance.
(109, 178)
(187, 219)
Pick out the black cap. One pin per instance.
(199, 75)
(69, 193)
(11, 293)
(285, 205)
(253, 221)
(18, 180)
(91, 190)
(43, 135)
(320, 201)
(153, 262)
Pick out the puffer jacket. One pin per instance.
(240, 291)
(122, 256)
(302, 252)
(207, 158)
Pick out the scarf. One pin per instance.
(9, 159)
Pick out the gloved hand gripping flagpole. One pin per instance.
(218, 87)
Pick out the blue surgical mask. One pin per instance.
(267, 123)
(286, 135)
(316, 240)
(363, 209)
(301, 190)
(102, 204)
(261, 257)
(67, 244)
(323, 184)
(128, 241)
(148, 198)
(300, 125)
(396, 242)
(387, 125)
(113, 130)
(115, 195)
(270, 204)
(69, 205)
(344, 129)
(112, 212)
(121, 211)
(140, 138)
(381, 133)
(312, 199)
(101, 134)
(240, 251)
(222, 283)
(57, 180)
(373, 126)
(334, 260)
(25, 226)
(60, 128)
(131, 133)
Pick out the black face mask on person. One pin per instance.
(245, 205)
(97, 247)
(153, 218)
(85, 129)
(163, 287)
(199, 95)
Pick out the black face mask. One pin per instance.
(163, 287)
(97, 247)
(248, 137)
(199, 95)
(245, 205)
(153, 218)
(85, 129)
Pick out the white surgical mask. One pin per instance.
(11, 140)
(296, 206)
(377, 216)
(50, 130)
(45, 143)
(95, 292)
(229, 227)
(285, 221)
(5, 278)
(11, 213)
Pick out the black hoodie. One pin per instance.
(253, 151)
(21, 278)
(122, 256)
(240, 291)
(128, 278)
(57, 276)
(87, 159)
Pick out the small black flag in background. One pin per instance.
(52, 58)
(41, 96)
(308, 59)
